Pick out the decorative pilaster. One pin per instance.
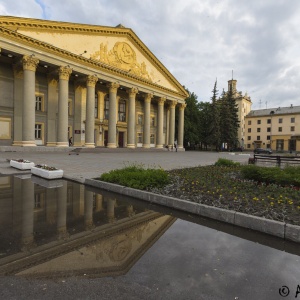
(160, 122)
(172, 124)
(182, 106)
(52, 104)
(18, 103)
(131, 118)
(112, 117)
(90, 111)
(28, 118)
(147, 102)
(63, 96)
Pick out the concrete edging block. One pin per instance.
(272, 227)
(105, 185)
(292, 233)
(217, 213)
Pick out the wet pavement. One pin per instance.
(77, 242)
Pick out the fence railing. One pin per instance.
(278, 160)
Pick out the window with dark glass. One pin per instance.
(38, 103)
(292, 128)
(106, 108)
(268, 137)
(122, 111)
(258, 129)
(258, 121)
(96, 105)
(248, 137)
(38, 131)
(269, 129)
(249, 129)
(292, 120)
(280, 120)
(268, 121)
(258, 138)
(249, 122)
(280, 129)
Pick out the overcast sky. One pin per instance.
(201, 40)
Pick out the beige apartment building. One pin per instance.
(99, 85)
(275, 128)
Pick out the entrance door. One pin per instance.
(105, 138)
(121, 139)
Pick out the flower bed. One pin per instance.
(47, 172)
(21, 164)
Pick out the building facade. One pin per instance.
(275, 128)
(99, 85)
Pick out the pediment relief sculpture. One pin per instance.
(123, 57)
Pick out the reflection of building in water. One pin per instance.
(70, 230)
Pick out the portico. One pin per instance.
(106, 98)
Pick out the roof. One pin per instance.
(274, 111)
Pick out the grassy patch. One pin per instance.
(137, 177)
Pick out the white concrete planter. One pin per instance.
(21, 165)
(46, 173)
(55, 183)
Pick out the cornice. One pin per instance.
(34, 24)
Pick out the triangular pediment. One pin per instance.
(117, 47)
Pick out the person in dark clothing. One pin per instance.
(70, 142)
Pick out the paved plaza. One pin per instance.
(91, 164)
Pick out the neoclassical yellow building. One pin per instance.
(99, 85)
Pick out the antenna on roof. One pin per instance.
(232, 74)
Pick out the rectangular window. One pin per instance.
(268, 121)
(248, 146)
(152, 138)
(248, 137)
(280, 129)
(140, 137)
(96, 106)
(292, 120)
(280, 120)
(140, 119)
(268, 137)
(258, 138)
(258, 129)
(269, 129)
(249, 122)
(249, 129)
(106, 108)
(279, 145)
(38, 131)
(39, 103)
(122, 111)
(292, 128)
(258, 121)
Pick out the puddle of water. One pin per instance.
(54, 229)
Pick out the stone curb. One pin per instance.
(271, 227)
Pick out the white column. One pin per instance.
(63, 96)
(172, 124)
(90, 111)
(62, 194)
(182, 106)
(131, 132)
(28, 119)
(146, 135)
(88, 210)
(112, 117)
(160, 123)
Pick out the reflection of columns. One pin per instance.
(111, 210)
(90, 111)
(99, 202)
(172, 123)
(131, 118)
(130, 211)
(181, 125)
(147, 104)
(28, 121)
(27, 213)
(63, 96)
(62, 211)
(88, 210)
(112, 118)
(160, 123)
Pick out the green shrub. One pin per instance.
(276, 175)
(223, 162)
(137, 177)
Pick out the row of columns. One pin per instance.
(28, 117)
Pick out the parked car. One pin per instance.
(262, 150)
